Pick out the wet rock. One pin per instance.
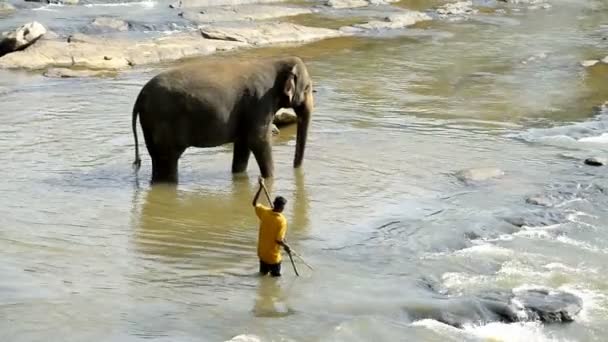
(539, 200)
(499, 306)
(6, 8)
(589, 63)
(395, 21)
(111, 23)
(284, 117)
(64, 2)
(548, 306)
(456, 9)
(21, 38)
(269, 33)
(71, 73)
(242, 13)
(596, 161)
(479, 174)
(210, 3)
(342, 4)
(346, 3)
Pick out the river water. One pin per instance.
(90, 252)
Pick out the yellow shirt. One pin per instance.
(273, 226)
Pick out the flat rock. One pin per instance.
(479, 174)
(284, 117)
(395, 21)
(111, 23)
(242, 13)
(340, 4)
(605, 60)
(5, 8)
(210, 3)
(21, 38)
(93, 53)
(596, 161)
(71, 73)
(457, 8)
(269, 33)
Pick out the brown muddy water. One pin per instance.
(90, 252)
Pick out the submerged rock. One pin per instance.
(242, 13)
(539, 200)
(111, 23)
(596, 161)
(479, 174)
(269, 33)
(21, 38)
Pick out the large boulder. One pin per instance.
(269, 33)
(542, 305)
(21, 38)
(242, 13)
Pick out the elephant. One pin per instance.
(208, 103)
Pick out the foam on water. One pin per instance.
(601, 139)
(512, 332)
(486, 249)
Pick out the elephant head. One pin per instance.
(297, 94)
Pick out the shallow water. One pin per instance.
(92, 252)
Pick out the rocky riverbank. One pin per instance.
(221, 26)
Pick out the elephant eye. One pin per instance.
(307, 88)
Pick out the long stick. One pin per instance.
(302, 260)
(288, 253)
(293, 264)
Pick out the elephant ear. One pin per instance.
(290, 84)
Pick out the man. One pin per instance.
(271, 236)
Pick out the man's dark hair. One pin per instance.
(279, 203)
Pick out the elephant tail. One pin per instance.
(137, 162)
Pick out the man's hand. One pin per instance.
(261, 181)
(287, 248)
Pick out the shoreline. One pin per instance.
(248, 24)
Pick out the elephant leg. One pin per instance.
(263, 155)
(165, 166)
(240, 157)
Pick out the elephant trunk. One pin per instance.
(303, 113)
